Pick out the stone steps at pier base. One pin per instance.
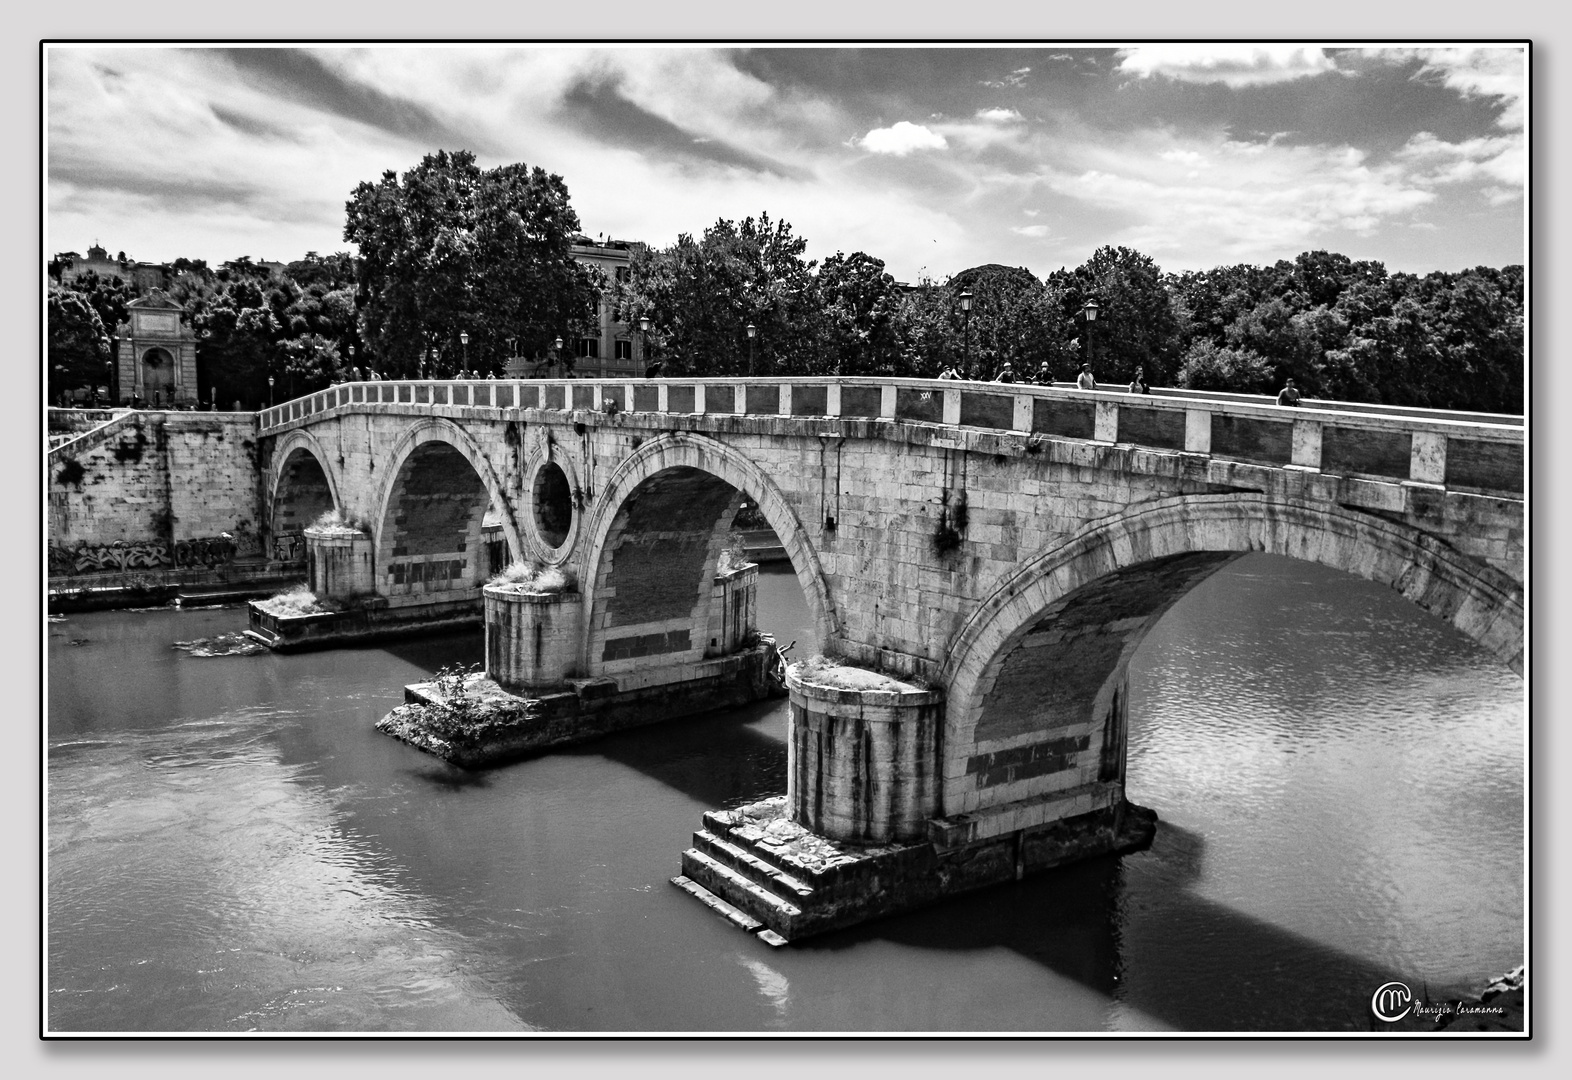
(798, 884)
(735, 888)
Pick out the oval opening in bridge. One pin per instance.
(553, 504)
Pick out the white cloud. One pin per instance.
(1500, 161)
(999, 116)
(901, 139)
(1034, 231)
(1014, 78)
(1183, 157)
(1256, 201)
(1493, 71)
(1233, 64)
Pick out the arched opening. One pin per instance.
(301, 495)
(662, 582)
(552, 499)
(158, 375)
(1338, 774)
(1071, 617)
(1339, 778)
(433, 546)
(702, 486)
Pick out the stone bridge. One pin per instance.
(1007, 546)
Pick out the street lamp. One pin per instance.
(753, 332)
(1089, 313)
(352, 364)
(270, 391)
(644, 340)
(464, 341)
(966, 332)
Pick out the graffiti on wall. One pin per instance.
(122, 555)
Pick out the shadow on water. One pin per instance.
(451, 778)
(719, 759)
(439, 650)
(1080, 921)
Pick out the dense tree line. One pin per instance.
(1340, 328)
(449, 250)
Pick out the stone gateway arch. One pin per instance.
(981, 563)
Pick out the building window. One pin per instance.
(587, 347)
(622, 273)
(624, 349)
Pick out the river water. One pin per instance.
(232, 847)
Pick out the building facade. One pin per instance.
(616, 350)
(156, 362)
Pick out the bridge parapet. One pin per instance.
(1479, 454)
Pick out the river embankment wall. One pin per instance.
(146, 488)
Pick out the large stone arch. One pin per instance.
(288, 445)
(427, 431)
(1071, 617)
(682, 450)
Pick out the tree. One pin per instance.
(1136, 324)
(78, 346)
(1015, 319)
(450, 249)
(701, 295)
(928, 325)
(859, 303)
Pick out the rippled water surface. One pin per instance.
(232, 847)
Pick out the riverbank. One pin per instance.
(156, 588)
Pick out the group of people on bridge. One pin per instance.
(1085, 380)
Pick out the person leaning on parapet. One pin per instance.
(1084, 380)
(950, 373)
(1044, 376)
(1006, 373)
(1138, 384)
(1288, 395)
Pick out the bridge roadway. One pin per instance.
(1008, 545)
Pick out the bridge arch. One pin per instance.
(302, 485)
(1071, 618)
(439, 466)
(687, 459)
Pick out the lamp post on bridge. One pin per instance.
(966, 332)
(270, 391)
(753, 332)
(556, 356)
(1089, 313)
(464, 341)
(644, 342)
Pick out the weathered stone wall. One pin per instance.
(155, 478)
(1016, 563)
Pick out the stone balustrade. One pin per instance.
(1475, 453)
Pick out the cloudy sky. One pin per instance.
(933, 159)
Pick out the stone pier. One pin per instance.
(857, 835)
(534, 695)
